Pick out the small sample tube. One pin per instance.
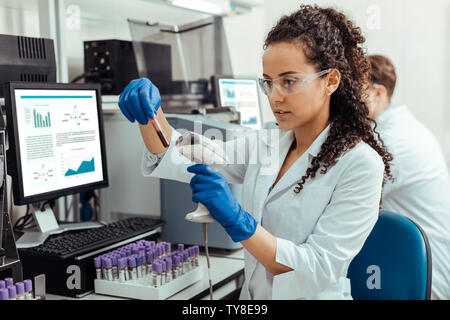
(160, 132)
(149, 259)
(2, 284)
(180, 247)
(191, 257)
(122, 268)
(186, 264)
(4, 295)
(107, 269)
(132, 272)
(139, 262)
(196, 253)
(20, 288)
(163, 273)
(98, 267)
(168, 247)
(12, 292)
(28, 289)
(168, 269)
(176, 272)
(9, 282)
(115, 272)
(157, 269)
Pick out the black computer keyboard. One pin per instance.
(78, 242)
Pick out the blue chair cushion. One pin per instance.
(394, 263)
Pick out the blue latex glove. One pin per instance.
(140, 100)
(211, 189)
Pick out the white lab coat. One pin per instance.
(421, 191)
(318, 231)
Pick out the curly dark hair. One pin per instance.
(330, 40)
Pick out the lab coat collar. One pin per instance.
(389, 112)
(265, 181)
(299, 167)
(315, 147)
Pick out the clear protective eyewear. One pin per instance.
(290, 84)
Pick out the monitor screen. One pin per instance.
(57, 133)
(243, 95)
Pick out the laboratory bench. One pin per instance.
(227, 272)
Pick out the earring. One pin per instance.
(328, 93)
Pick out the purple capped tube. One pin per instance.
(157, 270)
(132, 272)
(12, 292)
(122, 267)
(4, 295)
(20, 288)
(28, 289)
(98, 267)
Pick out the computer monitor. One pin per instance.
(56, 140)
(243, 95)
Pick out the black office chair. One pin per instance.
(394, 263)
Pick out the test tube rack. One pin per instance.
(142, 288)
(10, 264)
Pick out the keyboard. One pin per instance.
(75, 243)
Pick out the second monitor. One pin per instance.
(241, 94)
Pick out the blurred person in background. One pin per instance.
(421, 189)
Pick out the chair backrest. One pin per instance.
(394, 263)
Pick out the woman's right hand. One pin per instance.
(140, 100)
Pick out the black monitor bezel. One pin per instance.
(13, 157)
(217, 78)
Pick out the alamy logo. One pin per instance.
(74, 280)
(374, 281)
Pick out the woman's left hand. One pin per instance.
(211, 189)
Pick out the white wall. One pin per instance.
(19, 17)
(415, 35)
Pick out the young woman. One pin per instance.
(302, 224)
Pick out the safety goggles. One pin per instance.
(290, 84)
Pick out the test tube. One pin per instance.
(164, 271)
(132, 272)
(191, 257)
(168, 269)
(196, 253)
(98, 267)
(180, 247)
(20, 288)
(176, 268)
(149, 256)
(107, 269)
(168, 247)
(139, 262)
(122, 266)
(9, 282)
(115, 272)
(2, 284)
(186, 267)
(157, 269)
(4, 295)
(159, 132)
(12, 292)
(28, 289)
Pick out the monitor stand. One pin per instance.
(47, 226)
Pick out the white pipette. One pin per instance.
(201, 150)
